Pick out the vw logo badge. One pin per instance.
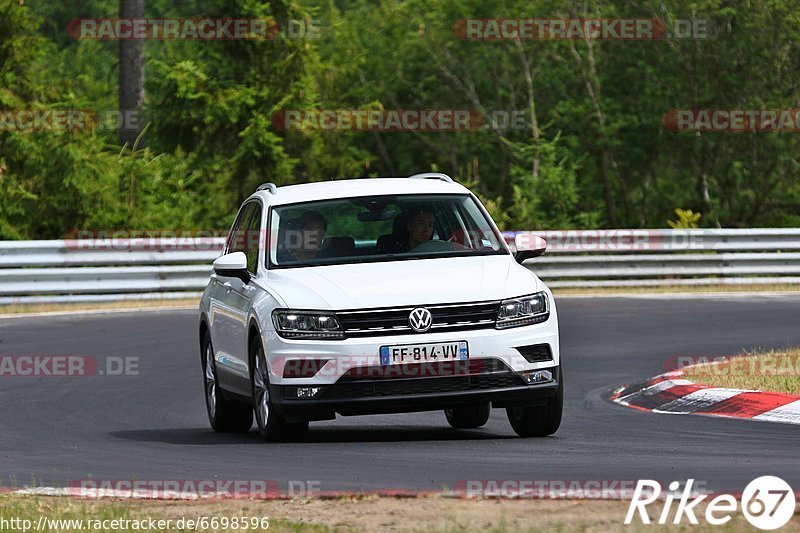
(420, 320)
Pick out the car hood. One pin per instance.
(400, 283)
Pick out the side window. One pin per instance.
(245, 234)
(252, 238)
(234, 242)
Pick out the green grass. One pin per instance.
(773, 371)
(423, 514)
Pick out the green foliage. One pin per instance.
(547, 198)
(686, 219)
(210, 139)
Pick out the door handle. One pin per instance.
(228, 286)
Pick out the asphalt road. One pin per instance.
(153, 425)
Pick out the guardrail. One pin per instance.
(642, 258)
(116, 269)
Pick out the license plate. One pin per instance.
(424, 353)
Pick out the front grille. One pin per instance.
(454, 317)
(400, 387)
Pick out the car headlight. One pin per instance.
(306, 324)
(523, 311)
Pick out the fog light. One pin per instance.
(538, 376)
(308, 392)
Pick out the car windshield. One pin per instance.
(380, 228)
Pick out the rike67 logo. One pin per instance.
(767, 502)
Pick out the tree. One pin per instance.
(131, 72)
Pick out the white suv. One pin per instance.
(379, 295)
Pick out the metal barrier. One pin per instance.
(105, 269)
(117, 269)
(642, 258)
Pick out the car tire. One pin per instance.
(468, 417)
(539, 421)
(225, 416)
(271, 425)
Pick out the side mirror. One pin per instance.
(528, 246)
(233, 265)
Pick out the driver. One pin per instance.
(420, 226)
(312, 226)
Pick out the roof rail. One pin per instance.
(269, 187)
(432, 176)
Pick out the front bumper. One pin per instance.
(343, 356)
(383, 396)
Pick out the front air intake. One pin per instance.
(536, 353)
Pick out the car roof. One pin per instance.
(324, 190)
